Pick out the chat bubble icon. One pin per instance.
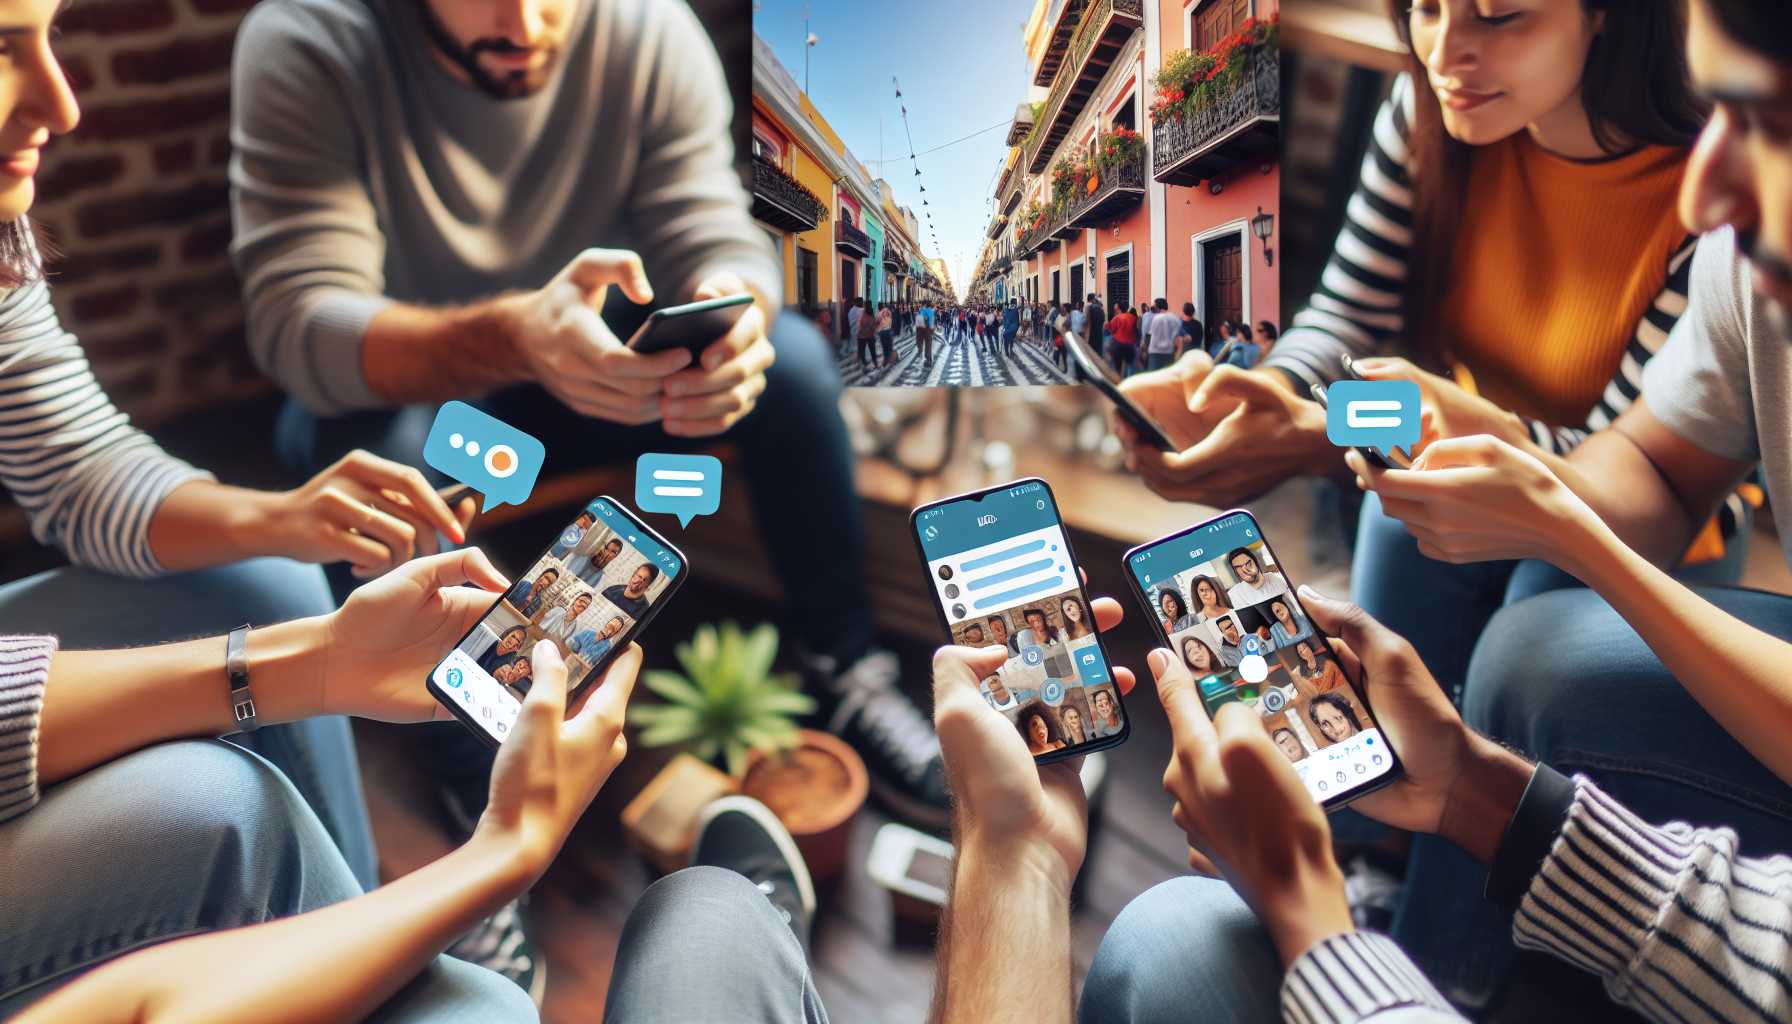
(485, 453)
(1379, 414)
(686, 486)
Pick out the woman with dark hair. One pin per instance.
(1199, 657)
(1077, 623)
(1319, 670)
(1040, 728)
(1334, 716)
(1268, 332)
(507, 649)
(1175, 609)
(1212, 598)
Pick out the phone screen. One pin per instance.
(1229, 611)
(1106, 381)
(590, 592)
(1003, 573)
(692, 326)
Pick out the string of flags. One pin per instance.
(915, 163)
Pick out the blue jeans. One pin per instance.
(703, 944)
(1564, 679)
(89, 609)
(1158, 360)
(180, 839)
(1186, 949)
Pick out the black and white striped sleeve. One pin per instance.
(1676, 923)
(1360, 976)
(88, 481)
(1358, 307)
(24, 671)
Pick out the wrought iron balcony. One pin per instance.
(894, 261)
(1064, 22)
(1241, 127)
(1105, 28)
(996, 225)
(1117, 189)
(1000, 265)
(1021, 125)
(852, 241)
(782, 201)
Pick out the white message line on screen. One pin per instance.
(1356, 413)
(1042, 586)
(678, 492)
(677, 474)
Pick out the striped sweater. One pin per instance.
(1676, 924)
(88, 481)
(1357, 309)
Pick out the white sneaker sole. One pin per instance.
(805, 887)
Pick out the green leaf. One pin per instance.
(761, 648)
(674, 687)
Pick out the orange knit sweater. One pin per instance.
(1555, 263)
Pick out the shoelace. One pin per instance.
(892, 721)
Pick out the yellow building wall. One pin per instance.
(820, 240)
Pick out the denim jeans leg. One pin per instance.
(705, 944)
(1186, 949)
(89, 609)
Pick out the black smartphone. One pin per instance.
(693, 326)
(596, 587)
(1100, 374)
(1002, 572)
(1227, 608)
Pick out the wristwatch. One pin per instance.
(236, 665)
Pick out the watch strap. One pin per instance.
(236, 666)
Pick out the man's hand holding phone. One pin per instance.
(568, 349)
(729, 377)
(1009, 809)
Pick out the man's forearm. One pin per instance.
(1625, 490)
(203, 523)
(337, 963)
(1004, 950)
(99, 705)
(414, 354)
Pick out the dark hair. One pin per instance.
(1284, 729)
(543, 574)
(1175, 595)
(1243, 330)
(1636, 91)
(1338, 702)
(1233, 554)
(1083, 619)
(1054, 733)
(586, 594)
(1194, 587)
(1761, 27)
(1050, 630)
(653, 571)
(23, 250)
(1213, 660)
(613, 540)
(1188, 309)
(514, 629)
(1268, 330)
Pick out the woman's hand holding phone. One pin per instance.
(384, 640)
(1247, 815)
(1009, 809)
(549, 770)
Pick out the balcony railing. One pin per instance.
(1117, 189)
(996, 224)
(1064, 23)
(894, 261)
(851, 240)
(1021, 125)
(782, 201)
(1242, 126)
(1106, 26)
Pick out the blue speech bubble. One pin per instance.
(485, 453)
(686, 486)
(1379, 414)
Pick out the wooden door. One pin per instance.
(1223, 273)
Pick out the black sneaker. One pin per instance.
(864, 706)
(743, 835)
(501, 943)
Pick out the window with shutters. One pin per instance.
(1214, 20)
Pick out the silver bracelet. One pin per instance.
(236, 665)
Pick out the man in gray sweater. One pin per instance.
(433, 200)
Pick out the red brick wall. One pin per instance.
(136, 199)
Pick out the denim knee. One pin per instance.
(1185, 949)
(1543, 666)
(805, 371)
(263, 591)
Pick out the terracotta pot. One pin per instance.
(816, 790)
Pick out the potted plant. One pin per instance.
(1192, 80)
(1118, 148)
(728, 706)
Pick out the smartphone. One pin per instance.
(599, 583)
(911, 863)
(1100, 374)
(693, 325)
(1002, 572)
(1397, 457)
(1227, 608)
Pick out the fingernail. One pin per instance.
(1157, 659)
(1307, 591)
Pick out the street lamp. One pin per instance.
(1263, 225)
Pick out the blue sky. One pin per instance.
(962, 68)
